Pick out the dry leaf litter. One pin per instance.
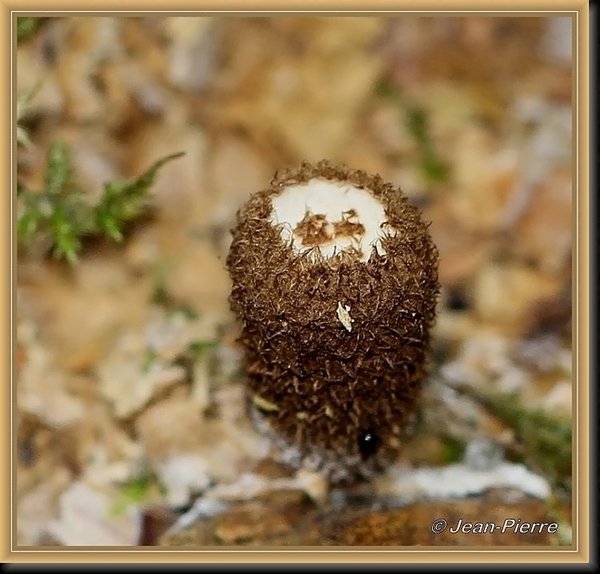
(130, 414)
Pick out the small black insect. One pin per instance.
(367, 443)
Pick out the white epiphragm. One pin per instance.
(335, 201)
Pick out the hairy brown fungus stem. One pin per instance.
(334, 280)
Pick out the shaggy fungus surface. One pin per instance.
(334, 281)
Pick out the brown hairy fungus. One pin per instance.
(335, 283)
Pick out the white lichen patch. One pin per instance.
(330, 217)
(182, 475)
(343, 313)
(459, 481)
(85, 518)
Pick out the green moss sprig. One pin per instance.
(27, 26)
(62, 214)
(545, 438)
(432, 166)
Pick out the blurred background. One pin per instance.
(129, 393)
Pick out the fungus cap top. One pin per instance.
(330, 217)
